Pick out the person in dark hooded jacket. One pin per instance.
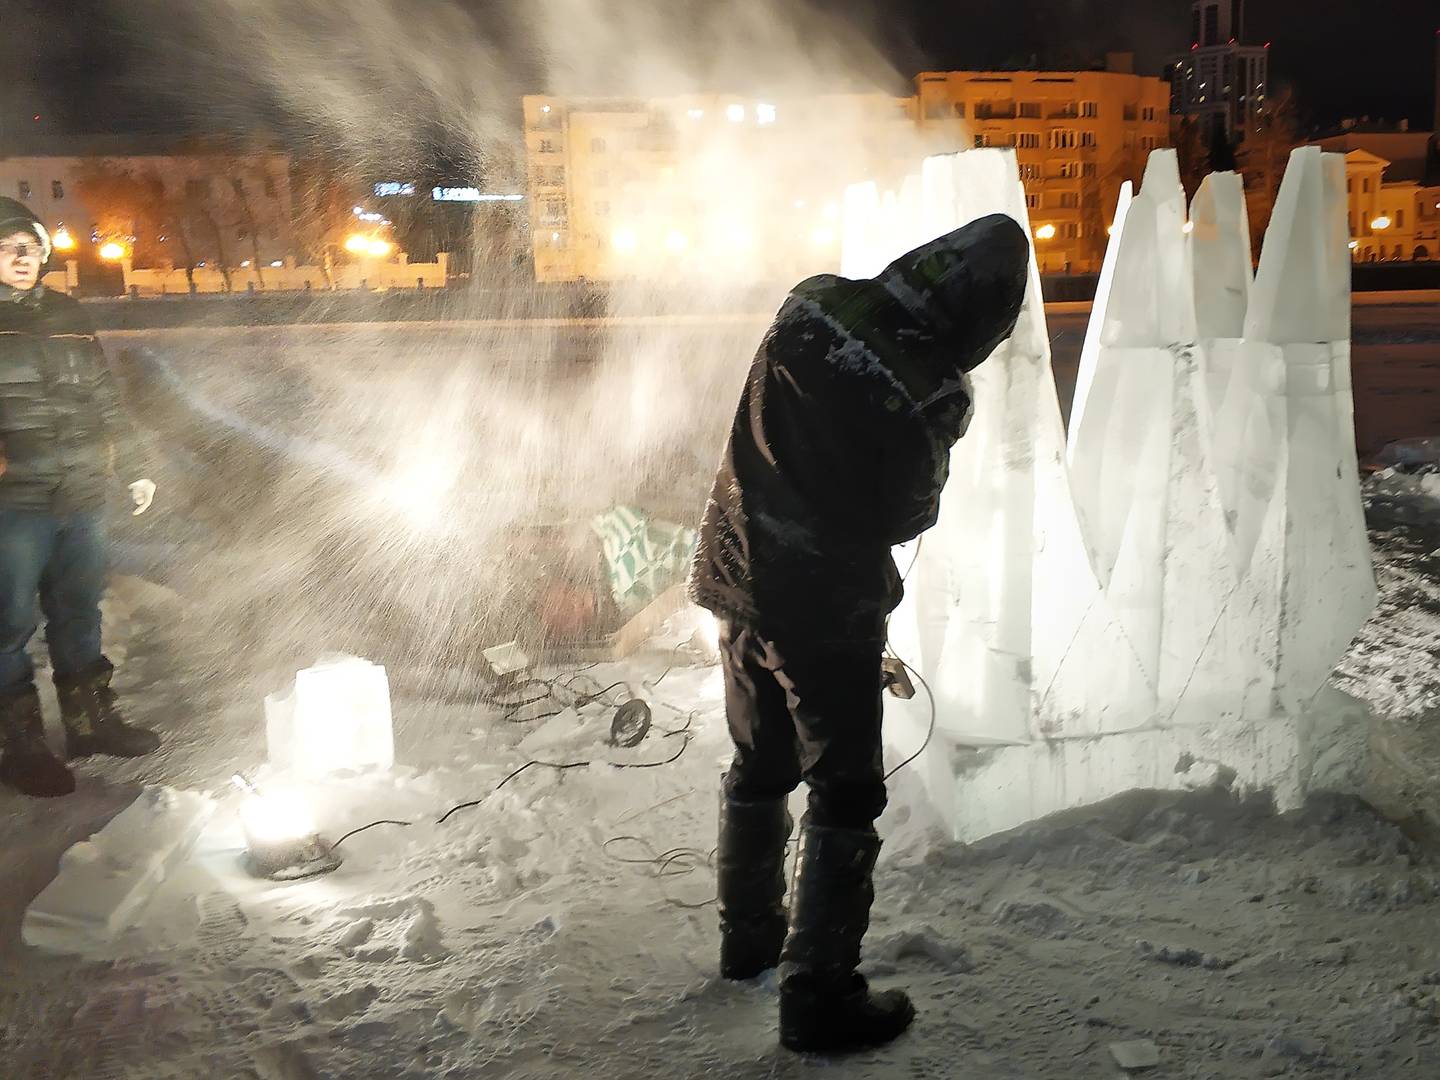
(62, 432)
(839, 450)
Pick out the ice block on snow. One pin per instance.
(335, 718)
(104, 882)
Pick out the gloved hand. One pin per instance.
(143, 493)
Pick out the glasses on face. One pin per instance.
(22, 249)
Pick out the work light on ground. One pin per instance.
(281, 841)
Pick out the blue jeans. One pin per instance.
(60, 557)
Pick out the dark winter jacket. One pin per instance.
(841, 443)
(62, 432)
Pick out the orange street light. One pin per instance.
(62, 240)
(1045, 232)
(112, 252)
(1381, 223)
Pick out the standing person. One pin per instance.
(839, 450)
(61, 427)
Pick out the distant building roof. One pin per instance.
(1405, 150)
(121, 146)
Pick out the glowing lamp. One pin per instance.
(1381, 223)
(1354, 244)
(677, 241)
(277, 263)
(735, 113)
(765, 114)
(335, 718)
(1045, 232)
(624, 240)
(1188, 228)
(280, 837)
(112, 252)
(357, 243)
(62, 240)
(705, 640)
(378, 248)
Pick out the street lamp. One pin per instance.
(1381, 223)
(1045, 232)
(62, 240)
(112, 252)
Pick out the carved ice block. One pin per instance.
(336, 717)
(104, 882)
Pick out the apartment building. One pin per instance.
(717, 185)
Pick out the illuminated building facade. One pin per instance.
(660, 188)
(1077, 137)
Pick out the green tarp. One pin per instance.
(643, 558)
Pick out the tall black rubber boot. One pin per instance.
(825, 1005)
(26, 763)
(93, 721)
(750, 877)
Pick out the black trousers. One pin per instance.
(802, 712)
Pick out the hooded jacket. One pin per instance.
(61, 423)
(841, 444)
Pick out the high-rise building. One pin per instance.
(1221, 80)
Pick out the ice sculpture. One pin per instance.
(335, 718)
(1194, 558)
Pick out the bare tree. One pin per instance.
(1262, 158)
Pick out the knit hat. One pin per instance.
(16, 217)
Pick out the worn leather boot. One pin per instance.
(825, 1005)
(750, 876)
(26, 763)
(93, 721)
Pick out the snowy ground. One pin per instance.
(561, 927)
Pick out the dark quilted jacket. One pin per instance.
(841, 443)
(61, 423)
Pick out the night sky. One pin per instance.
(134, 65)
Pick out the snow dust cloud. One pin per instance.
(417, 491)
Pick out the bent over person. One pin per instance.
(60, 427)
(839, 450)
